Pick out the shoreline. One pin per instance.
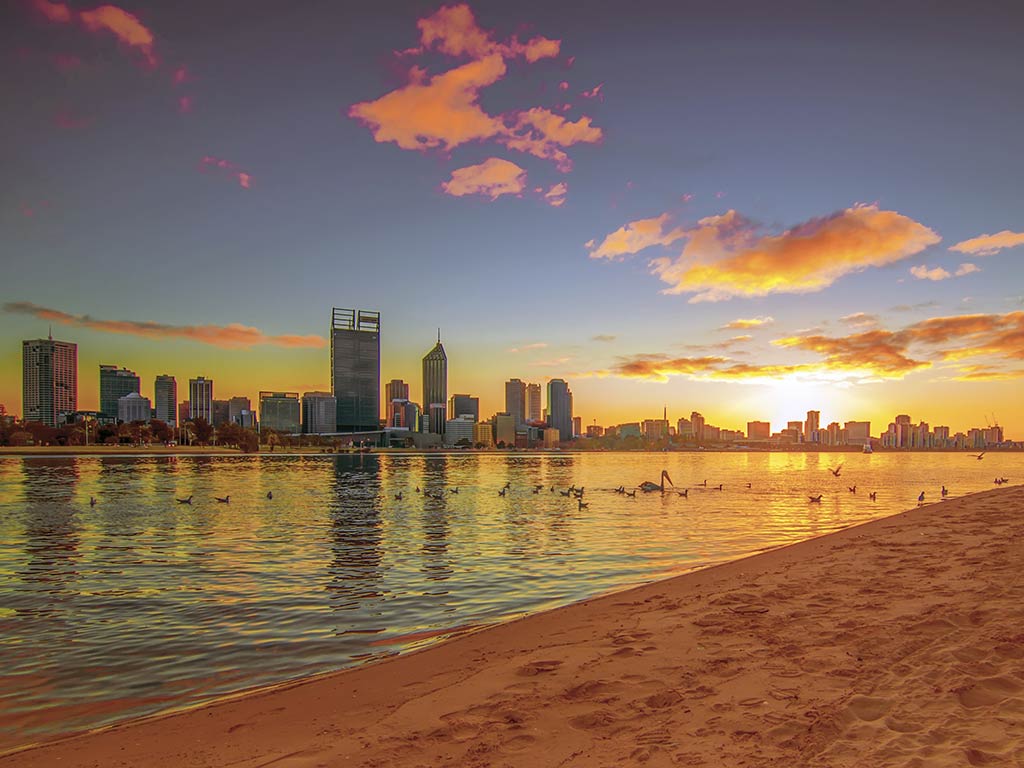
(710, 667)
(207, 450)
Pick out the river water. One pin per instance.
(140, 604)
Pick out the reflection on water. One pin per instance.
(138, 603)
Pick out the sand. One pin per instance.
(896, 643)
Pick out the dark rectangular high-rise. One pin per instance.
(560, 408)
(165, 399)
(355, 369)
(49, 380)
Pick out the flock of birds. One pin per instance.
(647, 486)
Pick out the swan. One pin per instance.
(647, 486)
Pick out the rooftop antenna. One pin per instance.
(438, 335)
(51, 331)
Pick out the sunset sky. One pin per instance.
(742, 208)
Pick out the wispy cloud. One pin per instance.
(528, 347)
(967, 268)
(106, 19)
(226, 168)
(746, 323)
(860, 320)
(728, 256)
(233, 335)
(594, 93)
(603, 337)
(555, 196)
(861, 357)
(636, 236)
(988, 245)
(492, 178)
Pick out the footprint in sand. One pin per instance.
(538, 668)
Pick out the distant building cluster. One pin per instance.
(900, 434)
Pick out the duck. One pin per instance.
(815, 499)
(184, 501)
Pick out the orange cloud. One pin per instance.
(594, 93)
(233, 335)
(124, 26)
(556, 194)
(635, 237)
(726, 256)
(745, 323)
(442, 113)
(878, 351)
(860, 357)
(226, 168)
(967, 269)
(921, 272)
(540, 132)
(453, 30)
(988, 245)
(494, 177)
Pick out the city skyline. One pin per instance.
(618, 222)
(436, 360)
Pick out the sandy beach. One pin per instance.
(895, 643)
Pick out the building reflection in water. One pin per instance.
(437, 564)
(355, 571)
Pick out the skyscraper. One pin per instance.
(200, 398)
(319, 413)
(396, 389)
(49, 379)
(221, 412)
(515, 400)
(435, 386)
(115, 383)
(533, 406)
(280, 411)
(464, 405)
(355, 369)
(811, 426)
(560, 408)
(165, 397)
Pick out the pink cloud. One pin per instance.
(180, 76)
(555, 196)
(184, 104)
(594, 93)
(66, 62)
(124, 26)
(230, 336)
(225, 168)
(492, 178)
(563, 86)
(55, 12)
(687, 197)
(69, 121)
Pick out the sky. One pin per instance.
(741, 208)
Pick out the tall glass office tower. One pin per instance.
(435, 386)
(355, 369)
